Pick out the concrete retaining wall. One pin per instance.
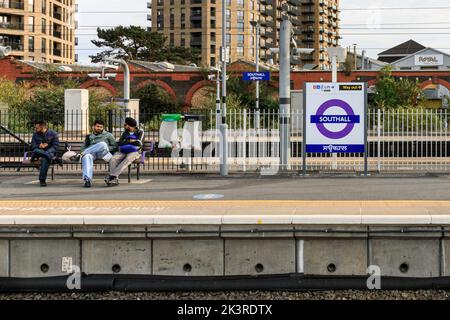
(230, 251)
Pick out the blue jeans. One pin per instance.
(97, 151)
(46, 159)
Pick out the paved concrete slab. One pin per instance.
(43, 258)
(117, 256)
(406, 258)
(333, 257)
(185, 187)
(4, 258)
(253, 257)
(188, 257)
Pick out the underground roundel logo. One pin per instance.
(321, 120)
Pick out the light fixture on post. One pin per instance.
(5, 51)
(126, 80)
(104, 76)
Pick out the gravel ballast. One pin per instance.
(235, 295)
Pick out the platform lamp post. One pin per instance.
(126, 81)
(257, 26)
(337, 55)
(223, 126)
(103, 76)
(285, 88)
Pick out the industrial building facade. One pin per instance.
(198, 24)
(39, 30)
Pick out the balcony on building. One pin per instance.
(267, 2)
(12, 23)
(307, 57)
(294, 2)
(57, 31)
(57, 12)
(296, 22)
(307, 30)
(12, 4)
(196, 40)
(57, 49)
(308, 38)
(309, 19)
(15, 42)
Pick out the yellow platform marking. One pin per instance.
(217, 203)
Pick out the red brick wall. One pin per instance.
(183, 85)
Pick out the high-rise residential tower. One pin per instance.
(39, 30)
(197, 24)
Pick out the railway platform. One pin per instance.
(163, 232)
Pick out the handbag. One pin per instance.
(128, 148)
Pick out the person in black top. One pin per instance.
(44, 145)
(130, 148)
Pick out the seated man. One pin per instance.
(97, 145)
(44, 144)
(130, 148)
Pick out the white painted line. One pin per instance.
(119, 220)
(327, 219)
(440, 219)
(153, 219)
(187, 219)
(301, 258)
(255, 219)
(396, 219)
(48, 220)
(443, 259)
(208, 196)
(7, 220)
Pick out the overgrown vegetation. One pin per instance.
(45, 102)
(392, 93)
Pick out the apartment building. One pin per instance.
(39, 30)
(198, 24)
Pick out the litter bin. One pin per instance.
(168, 132)
(191, 138)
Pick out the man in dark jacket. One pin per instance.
(44, 145)
(130, 148)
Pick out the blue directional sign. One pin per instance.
(256, 76)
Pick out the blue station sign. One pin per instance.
(256, 76)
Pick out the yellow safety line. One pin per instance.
(217, 203)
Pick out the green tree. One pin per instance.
(99, 106)
(13, 95)
(349, 64)
(154, 101)
(136, 43)
(396, 93)
(246, 93)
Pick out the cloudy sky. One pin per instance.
(381, 24)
